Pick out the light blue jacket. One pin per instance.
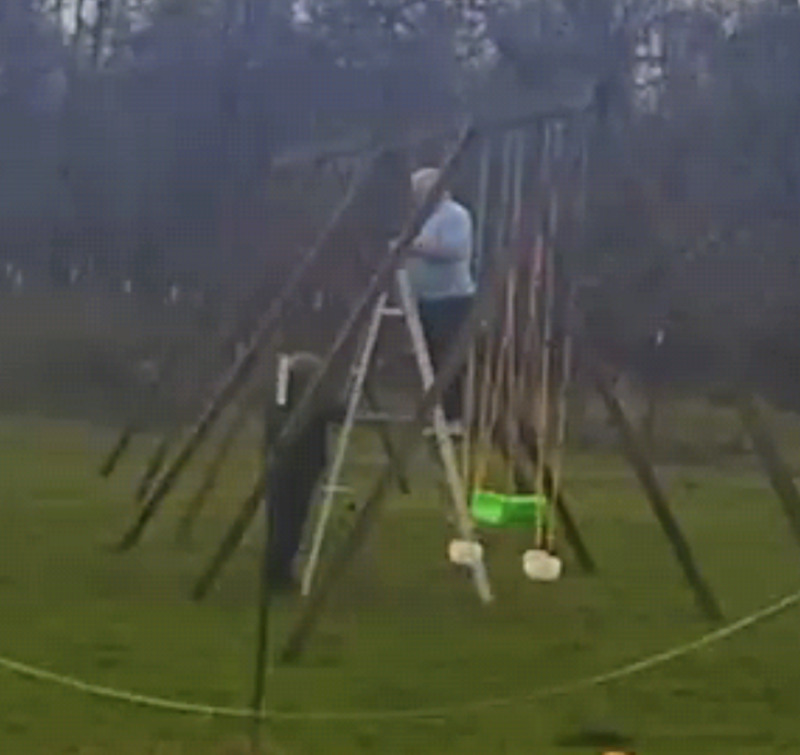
(448, 234)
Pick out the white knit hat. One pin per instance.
(422, 181)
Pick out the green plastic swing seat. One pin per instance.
(503, 510)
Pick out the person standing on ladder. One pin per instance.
(440, 272)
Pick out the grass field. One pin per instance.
(402, 630)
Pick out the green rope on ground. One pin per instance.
(444, 711)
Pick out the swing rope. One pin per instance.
(491, 378)
(519, 371)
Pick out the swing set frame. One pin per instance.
(530, 435)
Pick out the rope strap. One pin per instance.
(177, 706)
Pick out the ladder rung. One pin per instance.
(368, 460)
(392, 312)
(383, 417)
(343, 489)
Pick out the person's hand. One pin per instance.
(394, 243)
(414, 249)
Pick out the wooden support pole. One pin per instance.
(166, 362)
(302, 413)
(776, 468)
(235, 376)
(387, 441)
(118, 450)
(212, 472)
(633, 449)
(329, 576)
(154, 465)
(227, 340)
(230, 542)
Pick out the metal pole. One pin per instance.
(343, 443)
(263, 659)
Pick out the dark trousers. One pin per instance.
(290, 502)
(290, 494)
(442, 320)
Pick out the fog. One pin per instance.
(159, 158)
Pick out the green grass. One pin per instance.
(402, 630)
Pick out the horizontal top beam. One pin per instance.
(323, 152)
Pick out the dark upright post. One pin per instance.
(776, 468)
(638, 459)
